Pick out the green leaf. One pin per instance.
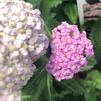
(33, 90)
(46, 7)
(35, 3)
(91, 62)
(95, 36)
(94, 78)
(35, 87)
(71, 11)
(75, 86)
(90, 94)
(51, 3)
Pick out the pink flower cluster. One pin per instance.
(70, 50)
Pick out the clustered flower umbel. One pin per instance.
(70, 50)
(22, 41)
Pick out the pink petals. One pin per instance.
(70, 48)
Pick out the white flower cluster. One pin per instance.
(22, 41)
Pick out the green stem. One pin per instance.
(49, 87)
(48, 31)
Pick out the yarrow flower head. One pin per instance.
(22, 41)
(70, 50)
